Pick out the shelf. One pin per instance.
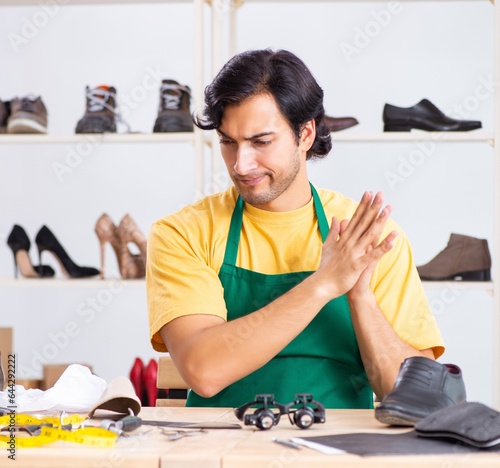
(188, 137)
(98, 138)
(237, 2)
(37, 3)
(345, 136)
(459, 285)
(7, 282)
(58, 283)
(20, 3)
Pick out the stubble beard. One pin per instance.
(277, 185)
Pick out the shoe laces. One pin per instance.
(98, 100)
(420, 376)
(171, 95)
(27, 103)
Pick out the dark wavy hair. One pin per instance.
(281, 74)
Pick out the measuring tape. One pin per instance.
(93, 436)
(25, 419)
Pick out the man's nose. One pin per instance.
(245, 161)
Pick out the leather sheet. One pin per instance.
(407, 443)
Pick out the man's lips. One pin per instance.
(251, 180)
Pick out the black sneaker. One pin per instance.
(100, 114)
(173, 112)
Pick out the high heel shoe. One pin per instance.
(45, 240)
(150, 378)
(137, 378)
(130, 265)
(20, 244)
(130, 232)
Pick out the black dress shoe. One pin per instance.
(422, 387)
(423, 116)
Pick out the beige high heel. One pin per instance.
(130, 232)
(131, 266)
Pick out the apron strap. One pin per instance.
(233, 238)
(324, 228)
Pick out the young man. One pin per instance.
(274, 286)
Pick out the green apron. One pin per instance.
(323, 360)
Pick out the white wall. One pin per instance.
(406, 51)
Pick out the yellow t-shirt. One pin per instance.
(186, 250)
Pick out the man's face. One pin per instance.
(260, 151)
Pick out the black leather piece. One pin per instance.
(423, 116)
(406, 443)
(423, 386)
(470, 422)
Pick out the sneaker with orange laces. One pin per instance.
(100, 113)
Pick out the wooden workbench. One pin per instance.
(234, 448)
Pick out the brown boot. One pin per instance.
(464, 258)
(173, 112)
(27, 115)
(4, 115)
(100, 113)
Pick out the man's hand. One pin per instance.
(352, 248)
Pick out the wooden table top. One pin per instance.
(234, 448)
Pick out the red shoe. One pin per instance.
(150, 376)
(137, 378)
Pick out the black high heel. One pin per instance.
(45, 240)
(20, 244)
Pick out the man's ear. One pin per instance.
(307, 135)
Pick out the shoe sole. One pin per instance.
(25, 126)
(405, 127)
(480, 275)
(172, 123)
(172, 128)
(395, 418)
(95, 129)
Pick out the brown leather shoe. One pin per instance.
(464, 258)
(27, 115)
(339, 123)
(4, 115)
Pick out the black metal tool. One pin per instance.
(197, 425)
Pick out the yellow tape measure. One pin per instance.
(25, 419)
(93, 436)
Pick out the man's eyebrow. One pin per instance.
(253, 137)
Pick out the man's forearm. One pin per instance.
(382, 351)
(217, 355)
